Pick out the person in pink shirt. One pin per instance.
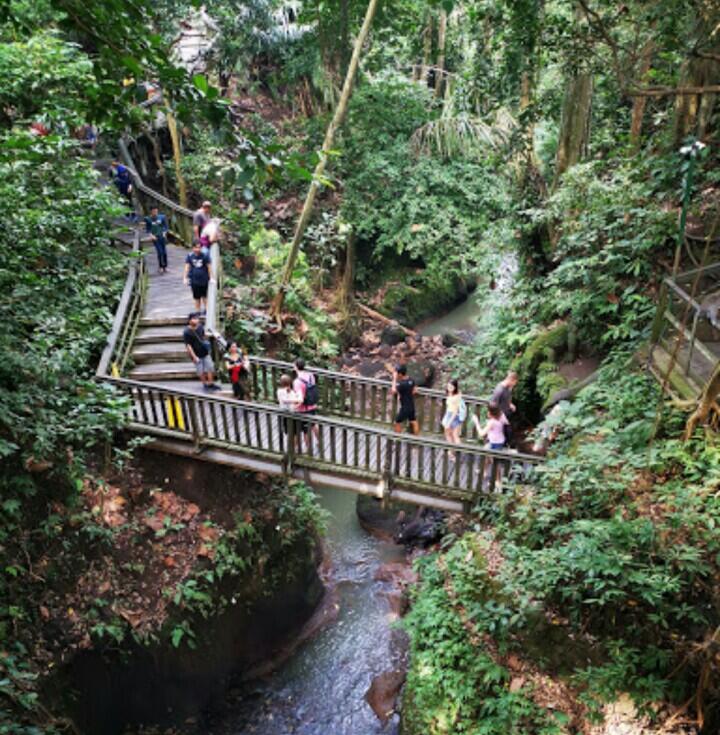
(305, 386)
(494, 429)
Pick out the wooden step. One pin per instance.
(150, 335)
(164, 321)
(159, 352)
(161, 371)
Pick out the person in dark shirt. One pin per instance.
(405, 389)
(122, 178)
(198, 348)
(156, 225)
(502, 397)
(198, 274)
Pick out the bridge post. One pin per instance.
(289, 456)
(195, 424)
(387, 471)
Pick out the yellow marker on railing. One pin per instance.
(174, 412)
(114, 370)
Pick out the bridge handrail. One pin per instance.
(321, 420)
(140, 185)
(130, 301)
(358, 379)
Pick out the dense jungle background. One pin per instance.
(537, 154)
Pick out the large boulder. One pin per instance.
(383, 693)
(422, 372)
(392, 334)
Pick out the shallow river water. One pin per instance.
(321, 689)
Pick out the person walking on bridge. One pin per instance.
(405, 389)
(305, 386)
(455, 413)
(156, 225)
(502, 397)
(198, 348)
(198, 274)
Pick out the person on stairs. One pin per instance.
(305, 386)
(156, 225)
(122, 178)
(405, 389)
(201, 218)
(198, 348)
(198, 274)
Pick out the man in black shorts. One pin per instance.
(405, 389)
(198, 274)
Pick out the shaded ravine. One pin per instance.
(321, 688)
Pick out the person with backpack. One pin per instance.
(405, 389)
(238, 367)
(198, 348)
(306, 387)
(455, 413)
(156, 225)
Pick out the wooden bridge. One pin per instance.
(350, 444)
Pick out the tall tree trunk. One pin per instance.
(344, 35)
(440, 66)
(639, 103)
(575, 125)
(427, 49)
(177, 156)
(347, 291)
(276, 309)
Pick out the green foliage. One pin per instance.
(456, 685)
(429, 213)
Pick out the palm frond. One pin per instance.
(463, 134)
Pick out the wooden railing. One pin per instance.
(127, 316)
(682, 326)
(179, 218)
(461, 472)
(358, 398)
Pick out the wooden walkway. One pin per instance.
(349, 445)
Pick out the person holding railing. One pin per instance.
(494, 433)
(197, 275)
(198, 348)
(156, 225)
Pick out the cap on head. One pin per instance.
(206, 204)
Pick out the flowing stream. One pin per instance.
(321, 689)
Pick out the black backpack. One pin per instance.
(312, 394)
